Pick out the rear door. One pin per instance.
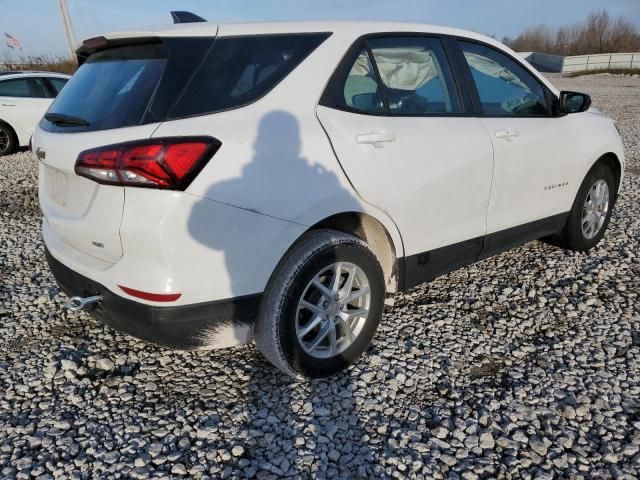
(533, 159)
(396, 118)
(23, 101)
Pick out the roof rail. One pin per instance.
(186, 17)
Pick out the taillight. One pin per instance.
(167, 163)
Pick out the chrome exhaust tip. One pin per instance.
(75, 304)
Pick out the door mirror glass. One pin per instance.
(574, 102)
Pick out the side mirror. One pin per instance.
(574, 102)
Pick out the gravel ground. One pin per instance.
(526, 365)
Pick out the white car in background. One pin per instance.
(24, 98)
(211, 185)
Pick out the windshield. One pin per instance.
(112, 88)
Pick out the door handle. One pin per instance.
(507, 133)
(8, 104)
(377, 139)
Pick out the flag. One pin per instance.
(12, 42)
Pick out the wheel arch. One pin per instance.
(372, 231)
(8, 124)
(12, 130)
(611, 161)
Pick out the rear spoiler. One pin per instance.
(95, 44)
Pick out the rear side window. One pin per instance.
(416, 75)
(239, 70)
(396, 75)
(505, 87)
(23, 88)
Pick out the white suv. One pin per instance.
(212, 185)
(24, 97)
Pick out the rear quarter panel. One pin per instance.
(275, 157)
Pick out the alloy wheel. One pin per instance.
(333, 310)
(595, 209)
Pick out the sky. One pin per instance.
(38, 26)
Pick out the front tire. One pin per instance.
(591, 212)
(322, 305)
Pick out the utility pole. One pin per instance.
(68, 28)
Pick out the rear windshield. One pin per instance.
(113, 87)
(181, 77)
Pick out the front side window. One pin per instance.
(23, 88)
(505, 88)
(416, 75)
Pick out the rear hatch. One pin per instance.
(121, 92)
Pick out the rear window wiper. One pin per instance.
(61, 119)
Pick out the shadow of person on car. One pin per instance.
(293, 426)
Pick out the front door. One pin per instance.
(533, 161)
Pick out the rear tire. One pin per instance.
(338, 330)
(8, 140)
(591, 211)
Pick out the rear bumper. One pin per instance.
(203, 325)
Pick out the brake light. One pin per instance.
(167, 163)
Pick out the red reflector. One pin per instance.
(169, 163)
(152, 297)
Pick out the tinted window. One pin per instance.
(240, 70)
(57, 83)
(360, 89)
(416, 75)
(504, 86)
(113, 87)
(23, 87)
(14, 88)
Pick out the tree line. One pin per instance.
(48, 63)
(599, 33)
